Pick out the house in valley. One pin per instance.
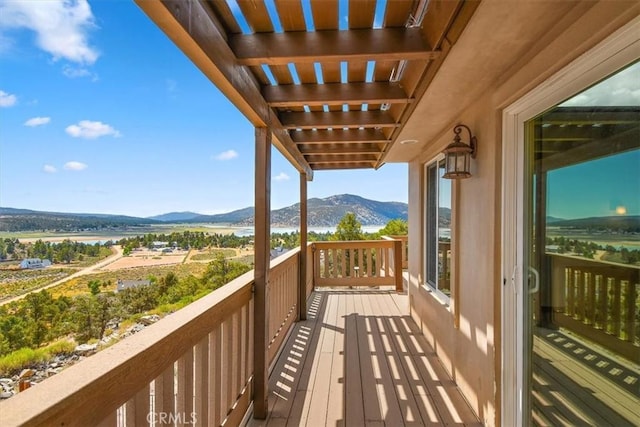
(33, 263)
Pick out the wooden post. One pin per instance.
(261, 277)
(397, 264)
(302, 285)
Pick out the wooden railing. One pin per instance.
(598, 300)
(193, 367)
(444, 267)
(282, 298)
(405, 248)
(358, 263)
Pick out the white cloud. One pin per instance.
(621, 89)
(7, 100)
(75, 166)
(61, 26)
(226, 155)
(49, 169)
(37, 121)
(78, 72)
(281, 177)
(91, 130)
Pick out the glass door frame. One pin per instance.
(612, 54)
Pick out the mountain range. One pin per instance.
(325, 212)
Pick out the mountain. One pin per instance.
(175, 216)
(553, 219)
(232, 217)
(329, 211)
(325, 212)
(12, 219)
(629, 223)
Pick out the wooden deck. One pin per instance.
(360, 360)
(575, 384)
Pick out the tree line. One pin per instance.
(588, 249)
(65, 251)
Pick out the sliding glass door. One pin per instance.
(581, 258)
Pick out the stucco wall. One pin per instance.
(466, 334)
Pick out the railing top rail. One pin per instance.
(590, 262)
(70, 397)
(355, 243)
(395, 237)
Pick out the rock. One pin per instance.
(26, 373)
(6, 382)
(85, 349)
(149, 320)
(135, 328)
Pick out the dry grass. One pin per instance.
(78, 285)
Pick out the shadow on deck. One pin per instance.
(360, 360)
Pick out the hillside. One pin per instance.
(28, 220)
(175, 216)
(629, 223)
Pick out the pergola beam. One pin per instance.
(334, 93)
(337, 120)
(343, 149)
(342, 166)
(340, 158)
(387, 44)
(338, 136)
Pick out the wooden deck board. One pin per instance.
(361, 361)
(566, 392)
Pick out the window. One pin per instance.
(438, 229)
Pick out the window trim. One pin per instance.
(433, 288)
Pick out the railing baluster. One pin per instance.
(580, 284)
(569, 291)
(201, 404)
(601, 283)
(326, 257)
(626, 308)
(369, 261)
(143, 414)
(226, 363)
(345, 258)
(616, 309)
(215, 385)
(130, 413)
(235, 371)
(184, 376)
(590, 317)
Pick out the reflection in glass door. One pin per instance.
(582, 258)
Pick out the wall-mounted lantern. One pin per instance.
(458, 155)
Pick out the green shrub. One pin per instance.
(25, 357)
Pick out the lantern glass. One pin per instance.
(457, 161)
(458, 155)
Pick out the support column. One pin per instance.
(261, 277)
(302, 288)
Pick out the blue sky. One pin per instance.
(100, 112)
(607, 186)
